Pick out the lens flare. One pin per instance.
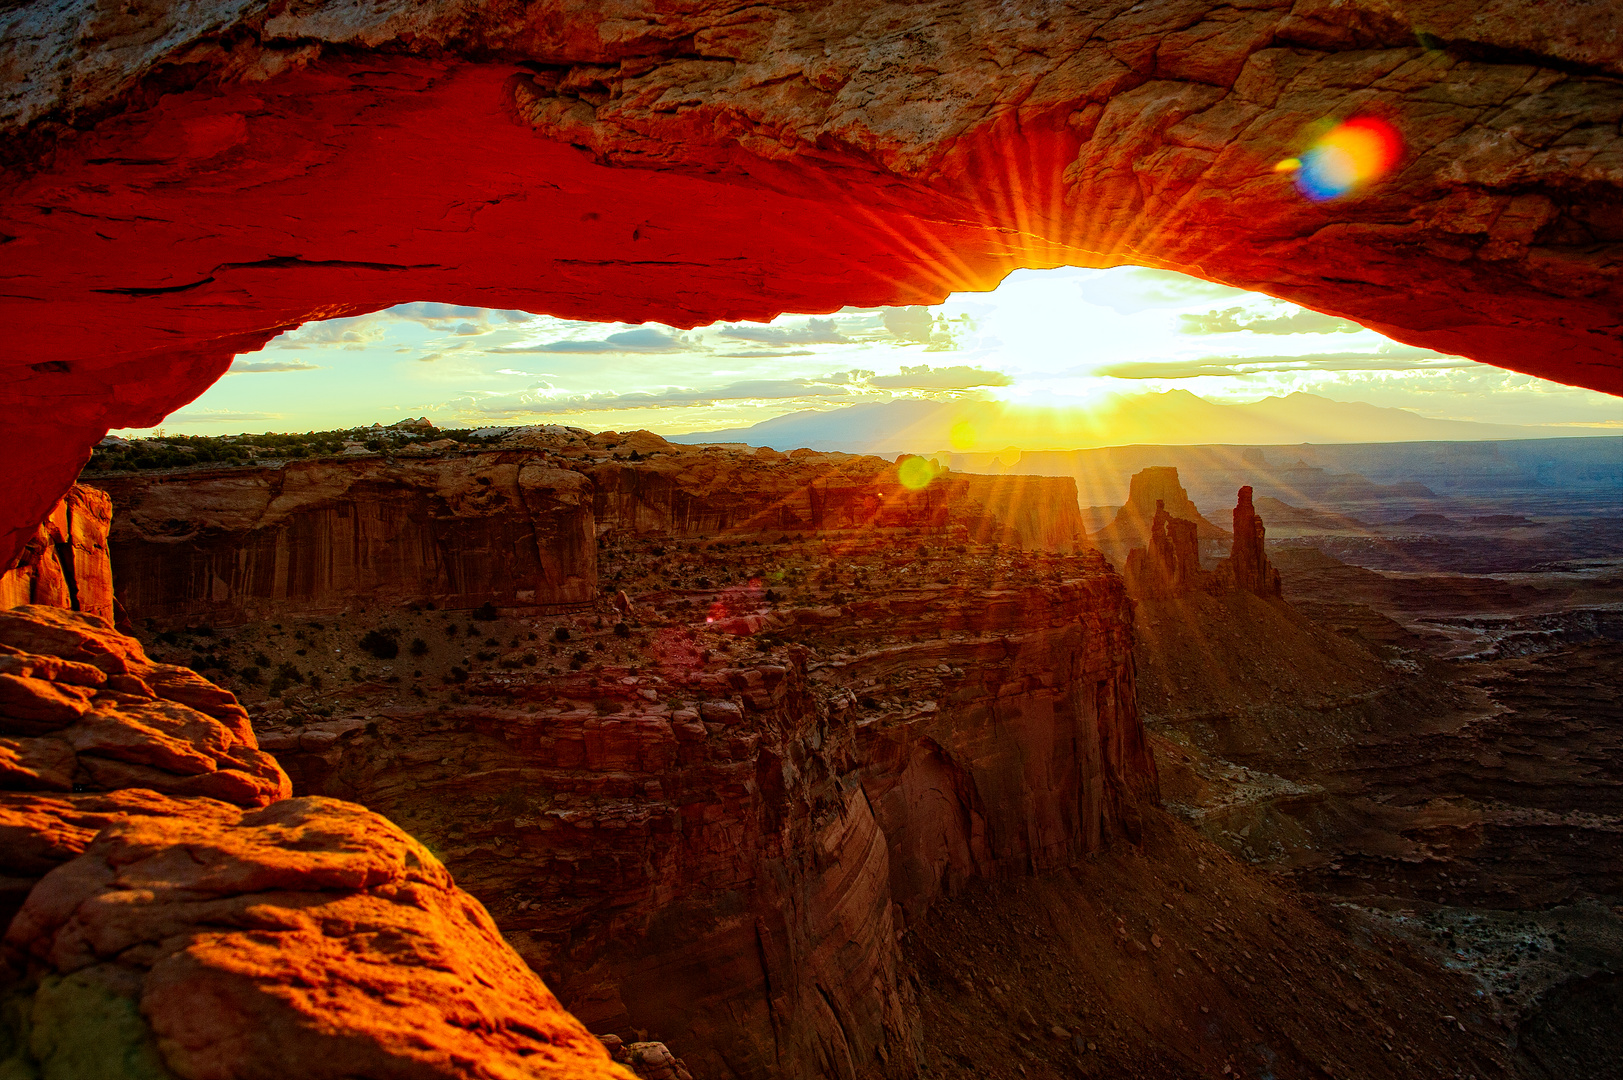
(915, 473)
(962, 435)
(1347, 157)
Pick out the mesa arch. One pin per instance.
(182, 182)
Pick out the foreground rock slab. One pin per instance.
(169, 934)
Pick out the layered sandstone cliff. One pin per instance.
(66, 564)
(683, 491)
(1151, 492)
(170, 912)
(719, 837)
(512, 527)
(315, 537)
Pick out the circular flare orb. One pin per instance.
(1347, 157)
(915, 473)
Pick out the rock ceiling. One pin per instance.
(184, 180)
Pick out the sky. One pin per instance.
(1057, 338)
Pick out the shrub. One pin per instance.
(485, 612)
(381, 644)
(561, 634)
(459, 674)
(249, 675)
(419, 647)
(485, 657)
(621, 630)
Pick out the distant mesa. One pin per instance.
(1154, 490)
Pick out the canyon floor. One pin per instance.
(1391, 832)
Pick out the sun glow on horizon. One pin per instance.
(1067, 356)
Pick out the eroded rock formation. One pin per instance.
(170, 912)
(308, 538)
(185, 182)
(515, 527)
(1169, 565)
(1247, 566)
(718, 837)
(1152, 492)
(65, 563)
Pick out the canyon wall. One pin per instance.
(512, 527)
(724, 850)
(169, 911)
(66, 563)
(310, 538)
(683, 492)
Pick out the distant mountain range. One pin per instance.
(1176, 417)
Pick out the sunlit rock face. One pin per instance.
(169, 911)
(186, 181)
(317, 537)
(65, 563)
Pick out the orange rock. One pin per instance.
(66, 564)
(311, 939)
(145, 725)
(154, 935)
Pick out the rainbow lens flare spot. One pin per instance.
(1347, 157)
(915, 473)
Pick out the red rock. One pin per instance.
(1151, 492)
(177, 201)
(316, 537)
(66, 564)
(310, 938)
(1170, 566)
(1247, 566)
(729, 863)
(154, 935)
(145, 725)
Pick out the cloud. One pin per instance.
(242, 367)
(910, 323)
(1235, 319)
(354, 333)
(468, 320)
(545, 399)
(812, 332)
(1401, 358)
(924, 377)
(757, 354)
(1130, 290)
(645, 339)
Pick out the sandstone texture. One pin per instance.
(171, 913)
(226, 546)
(1152, 494)
(184, 181)
(1167, 561)
(516, 527)
(715, 825)
(65, 564)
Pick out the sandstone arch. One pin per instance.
(186, 181)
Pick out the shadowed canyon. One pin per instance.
(539, 751)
